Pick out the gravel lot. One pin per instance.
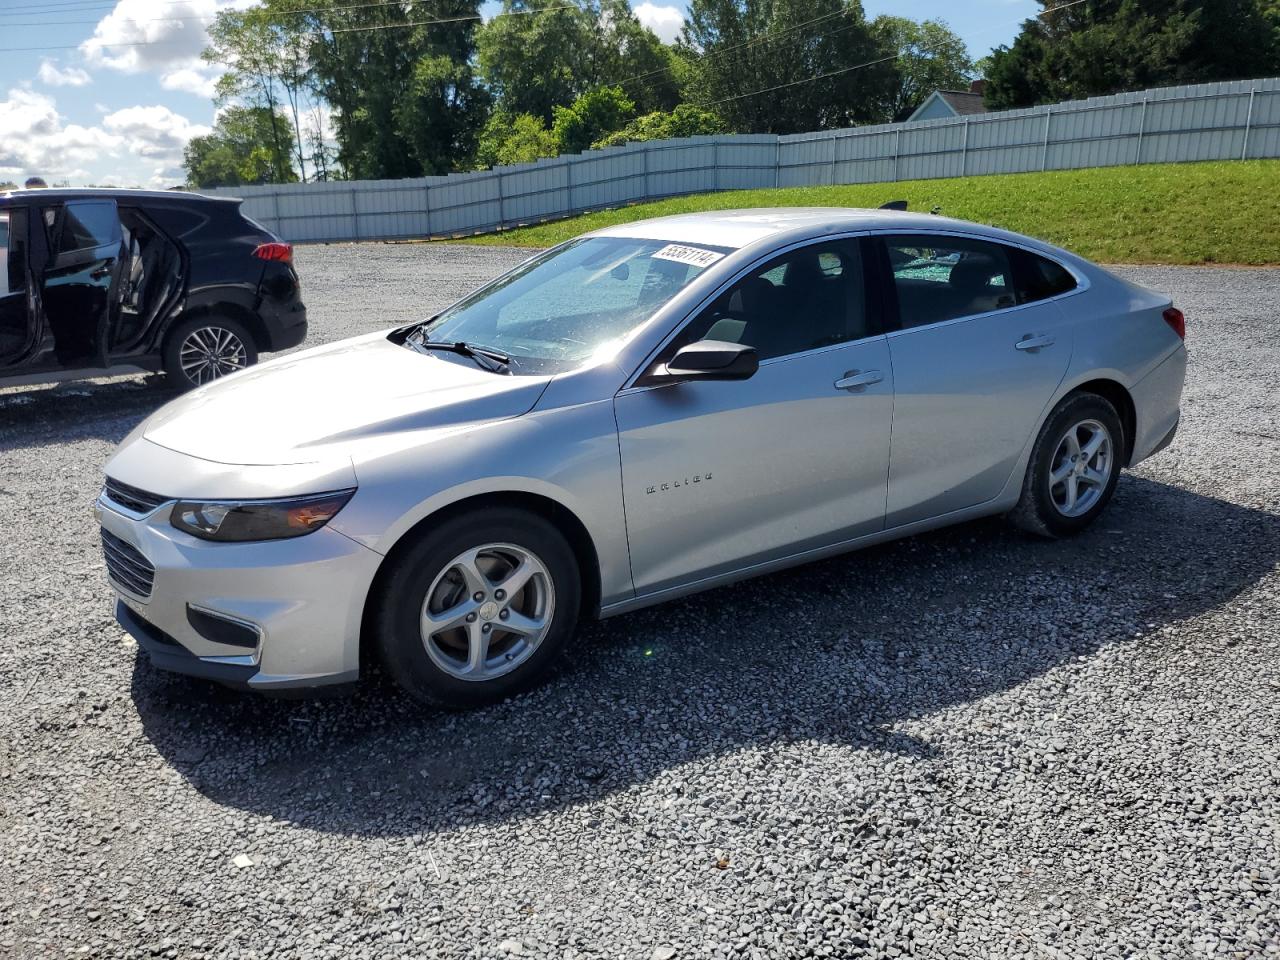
(968, 744)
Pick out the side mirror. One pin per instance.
(713, 360)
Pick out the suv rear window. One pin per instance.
(87, 225)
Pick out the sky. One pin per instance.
(75, 107)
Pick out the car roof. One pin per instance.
(62, 194)
(740, 228)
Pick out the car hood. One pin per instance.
(312, 406)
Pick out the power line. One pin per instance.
(299, 12)
(861, 66)
(385, 26)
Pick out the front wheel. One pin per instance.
(1074, 467)
(202, 349)
(478, 609)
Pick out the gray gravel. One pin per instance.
(967, 744)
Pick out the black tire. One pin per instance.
(400, 599)
(174, 340)
(1039, 510)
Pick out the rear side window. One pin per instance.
(1039, 278)
(944, 278)
(13, 243)
(88, 225)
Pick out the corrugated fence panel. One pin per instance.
(682, 166)
(1233, 120)
(607, 178)
(805, 160)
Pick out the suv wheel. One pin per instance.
(200, 350)
(1074, 467)
(478, 609)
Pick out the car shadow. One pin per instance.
(79, 410)
(841, 651)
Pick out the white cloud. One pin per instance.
(664, 21)
(137, 36)
(35, 142)
(199, 80)
(50, 75)
(153, 133)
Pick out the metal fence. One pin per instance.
(1217, 121)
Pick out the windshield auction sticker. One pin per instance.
(683, 254)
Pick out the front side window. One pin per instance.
(944, 278)
(560, 309)
(806, 299)
(88, 225)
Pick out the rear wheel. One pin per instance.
(203, 349)
(1074, 467)
(478, 609)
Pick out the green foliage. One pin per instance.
(809, 39)
(514, 139)
(535, 62)
(593, 115)
(1107, 46)
(930, 57)
(1111, 215)
(240, 150)
(685, 120)
(399, 77)
(259, 53)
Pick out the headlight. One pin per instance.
(242, 520)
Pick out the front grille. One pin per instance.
(127, 567)
(131, 498)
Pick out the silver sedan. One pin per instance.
(642, 412)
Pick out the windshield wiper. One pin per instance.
(490, 360)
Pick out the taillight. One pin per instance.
(281, 252)
(1176, 321)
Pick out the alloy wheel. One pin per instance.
(487, 611)
(1081, 468)
(211, 352)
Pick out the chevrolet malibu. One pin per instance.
(640, 413)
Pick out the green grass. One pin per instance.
(1191, 213)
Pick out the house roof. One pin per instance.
(964, 103)
(961, 103)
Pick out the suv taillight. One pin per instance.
(1176, 321)
(282, 252)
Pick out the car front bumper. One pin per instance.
(266, 615)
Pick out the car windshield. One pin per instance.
(578, 301)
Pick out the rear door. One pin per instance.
(976, 358)
(80, 286)
(16, 321)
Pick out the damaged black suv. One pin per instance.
(100, 282)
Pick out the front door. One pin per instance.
(718, 476)
(975, 362)
(79, 287)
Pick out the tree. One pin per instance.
(240, 150)
(685, 120)
(514, 139)
(930, 57)
(246, 44)
(406, 100)
(589, 118)
(1107, 46)
(543, 54)
(785, 66)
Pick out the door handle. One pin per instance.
(853, 380)
(100, 274)
(1033, 343)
